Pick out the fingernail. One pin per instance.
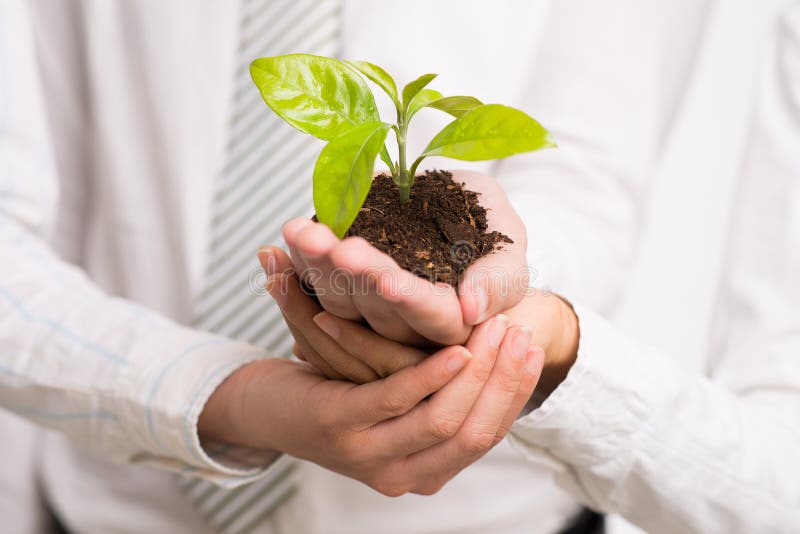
(521, 343)
(275, 291)
(327, 324)
(457, 361)
(482, 300)
(497, 330)
(534, 361)
(268, 262)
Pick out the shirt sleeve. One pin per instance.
(108, 373)
(674, 448)
(609, 105)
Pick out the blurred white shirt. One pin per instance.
(637, 431)
(133, 97)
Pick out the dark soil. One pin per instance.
(436, 235)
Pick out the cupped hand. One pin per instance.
(410, 432)
(354, 280)
(344, 349)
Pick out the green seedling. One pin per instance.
(330, 100)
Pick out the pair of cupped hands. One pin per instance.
(376, 397)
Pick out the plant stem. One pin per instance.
(405, 181)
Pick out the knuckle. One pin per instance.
(430, 488)
(382, 315)
(478, 376)
(444, 427)
(389, 488)
(393, 402)
(340, 306)
(393, 491)
(478, 442)
(395, 362)
(498, 438)
(354, 372)
(392, 364)
(358, 376)
(390, 479)
(508, 384)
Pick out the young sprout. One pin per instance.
(328, 99)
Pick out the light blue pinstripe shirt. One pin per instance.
(107, 372)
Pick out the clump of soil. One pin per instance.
(436, 235)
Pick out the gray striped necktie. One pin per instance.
(265, 182)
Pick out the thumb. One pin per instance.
(492, 285)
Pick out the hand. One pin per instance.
(363, 355)
(399, 305)
(346, 349)
(410, 432)
(556, 329)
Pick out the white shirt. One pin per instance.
(632, 431)
(137, 136)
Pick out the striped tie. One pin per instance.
(265, 182)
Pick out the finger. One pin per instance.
(493, 284)
(333, 287)
(441, 417)
(497, 397)
(534, 362)
(382, 355)
(497, 281)
(478, 433)
(432, 311)
(274, 260)
(432, 481)
(297, 351)
(381, 315)
(357, 259)
(299, 310)
(401, 392)
(278, 287)
(290, 231)
(305, 351)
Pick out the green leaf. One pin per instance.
(343, 174)
(490, 131)
(456, 105)
(387, 159)
(377, 75)
(412, 88)
(317, 95)
(385, 81)
(423, 98)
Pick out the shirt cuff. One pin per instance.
(160, 400)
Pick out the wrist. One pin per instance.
(555, 329)
(565, 336)
(225, 414)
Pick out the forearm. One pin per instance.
(110, 374)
